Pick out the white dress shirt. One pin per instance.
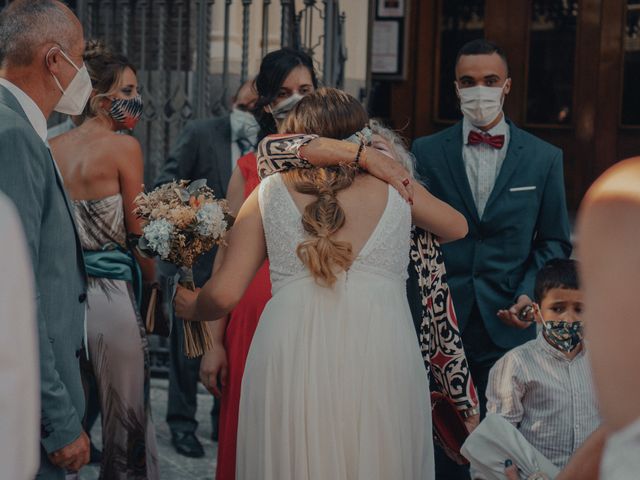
(235, 154)
(19, 369)
(238, 135)
(60, 128)
(483, 162)
(33, 112)
(547, 396)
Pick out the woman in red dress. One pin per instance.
(285, 76)
(225, 362)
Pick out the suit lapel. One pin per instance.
(10, 101)
(509, 165)
(453, 155)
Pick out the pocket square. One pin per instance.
(522, 189)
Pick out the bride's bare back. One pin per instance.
(363, 202)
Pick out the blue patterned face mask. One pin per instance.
(126, 111)
(563, 336)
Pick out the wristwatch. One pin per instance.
(470, 412)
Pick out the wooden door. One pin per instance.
(574, 64)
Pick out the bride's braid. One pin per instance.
(330, 113)
(322, 218)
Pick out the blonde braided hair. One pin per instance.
(330, 113)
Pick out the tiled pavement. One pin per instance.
(172, 465)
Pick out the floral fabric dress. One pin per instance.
(118, 353)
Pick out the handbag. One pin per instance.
(156, 321)
(449, 429)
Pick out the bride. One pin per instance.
(334, 385)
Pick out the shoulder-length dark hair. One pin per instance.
(274, 70)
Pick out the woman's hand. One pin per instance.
(185, 303)
(511, 316)
(511, 470)
(389, 170)
(472, 422)
(213, 367)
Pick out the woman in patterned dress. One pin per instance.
(103, 173)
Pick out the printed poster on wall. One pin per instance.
(390, 8)
(385, 49)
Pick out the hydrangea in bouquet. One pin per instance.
(181, 221)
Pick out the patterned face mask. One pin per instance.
(564, 336)
(126, 111)
(360, 136)
(281, 110)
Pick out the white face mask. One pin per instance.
(281, 110)
(243, 124)
(75, 97)
(481, 105)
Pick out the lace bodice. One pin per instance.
(386, 252)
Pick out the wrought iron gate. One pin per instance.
(173, 42)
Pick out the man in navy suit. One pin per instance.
(509, 185)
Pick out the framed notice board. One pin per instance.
(388, 40)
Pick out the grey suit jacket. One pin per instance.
(29, 178)
(203, 150)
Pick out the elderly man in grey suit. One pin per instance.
(41, 70)
(207, 148)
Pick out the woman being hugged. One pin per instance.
(334, 385)
(103, 173)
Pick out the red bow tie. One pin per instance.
(475, 138)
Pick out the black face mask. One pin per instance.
(563, 336)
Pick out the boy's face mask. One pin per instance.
(563, 336)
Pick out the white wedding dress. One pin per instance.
(334, 386)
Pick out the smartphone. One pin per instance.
(526, 314)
